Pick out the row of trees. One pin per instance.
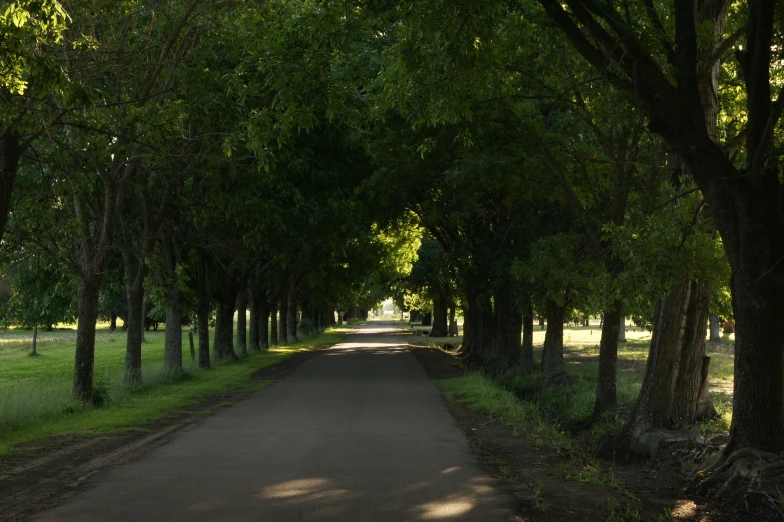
(188, 156)
(611, 158)
(535, 157)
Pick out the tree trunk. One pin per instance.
(715, 331)
(453, 329)
(758, 400)
(527, 347)
(34, 350)
(552, 357)
(203, 311)
(135, 272)
(427, 319)
(274, 322)
(264, 318)
(190, 342)
(541, 322)
(606, 393)
(242, 325)
(673, 379)
(87, 315)
(254, 324)
(284, 321)
(621, 328)
(224, 331)
(292, 322)
(113, 322)
(508, 326)
(172, 348)
(321, 324)
(439, 317)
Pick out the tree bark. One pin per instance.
(292, 322)
(34, 350)
(135, 272)
(621, 328)
(552, 357)
(254, 324)
(203, 311)
(87, 315)
(673, 379)
(274, 322)
(427, 319)
(264, 320)
(715, 331)
(508, 329)
(242, 325)
(172, 348)
(527, 347)
(606, 393)
(224, 330)
(439, 328)
(284, 319)
(453, 328)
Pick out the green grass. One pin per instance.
(35, 392)
(569, 403)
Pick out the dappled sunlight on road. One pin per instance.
(322, 498)
(449, 507)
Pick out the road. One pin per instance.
(355, 433)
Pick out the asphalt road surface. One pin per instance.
(355, 433)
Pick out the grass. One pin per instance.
(35, 392)
(570, 403)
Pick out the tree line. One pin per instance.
(533, 158)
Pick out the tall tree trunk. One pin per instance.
(715, 330)
(254, 324)
(621, 328)
(34, 350)
(453, 330)
(172, 348)
(242, 325)
(283, 329)
(673, 380)
(552, 357)
(135, 272)
(274, 340)
(224, 330)
(322, 316)
(439, 317)
(527, 347)
(427, 319)
(606, 393)
(87, 315)
(292, 322)
(508, 328)
(264, 321)
(758, 303)
(203, 311)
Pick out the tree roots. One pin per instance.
(748, 476)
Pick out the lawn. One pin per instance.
(572, 402)
(35, 392)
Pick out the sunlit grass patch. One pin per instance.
(35, 392)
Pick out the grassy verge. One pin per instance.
(544, 411)
(35, 391)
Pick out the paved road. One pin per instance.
(356, 433)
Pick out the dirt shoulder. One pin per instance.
(536, 475)
(45, 475)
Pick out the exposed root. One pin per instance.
(748, 477)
